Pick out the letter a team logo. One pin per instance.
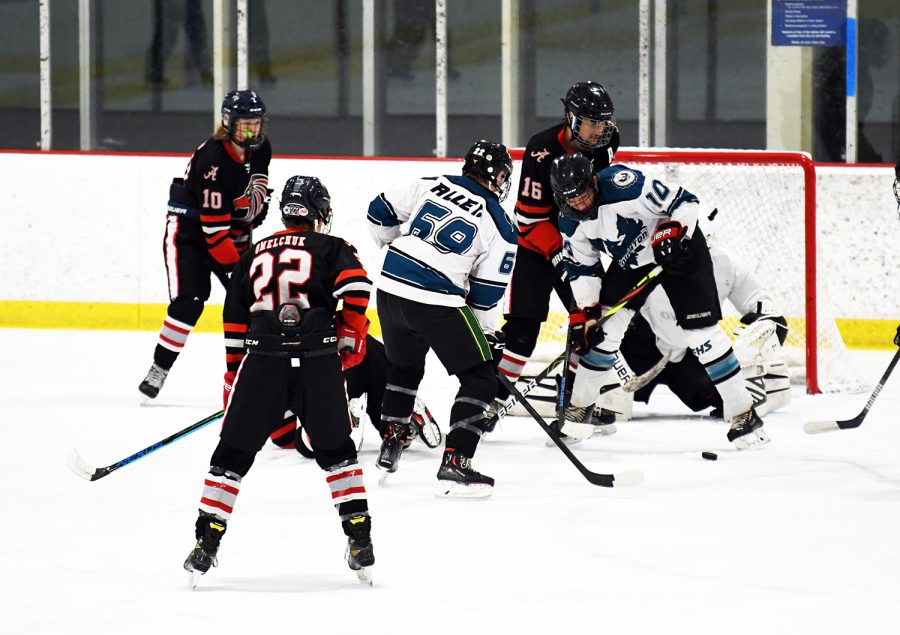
(211, 175)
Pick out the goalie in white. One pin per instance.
(637, 223)
(655, 336)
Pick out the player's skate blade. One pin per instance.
(751, 440)
(466, 491)
(194, 580)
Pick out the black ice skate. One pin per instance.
(360, 554)
(397, 438)
(747, 431)
(458, 479)
(604, 421)
(209, 531)
(154, 381)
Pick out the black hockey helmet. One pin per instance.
(305, 198)
(244, 104)
(570, 177)
(489, 161)
(589, 101)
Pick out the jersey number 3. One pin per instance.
(294, 269)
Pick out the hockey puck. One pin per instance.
(710, 456)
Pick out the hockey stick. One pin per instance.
(89, 473)
(816, 427)
(645, 284)
(625, 479)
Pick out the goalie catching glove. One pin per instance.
(351, 329)
(253, 205)
(669, 249)
(584, 332)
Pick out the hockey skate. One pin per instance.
(747, 431)
(203, 556)
(575, 427)
(458, 479)
(154, 381)
(604, 421)
(360, 555)
(397, 439)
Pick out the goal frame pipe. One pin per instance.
(750, 157)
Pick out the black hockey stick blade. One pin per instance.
(90, 473)
(625, 479)
(644, 285)
(817, 427)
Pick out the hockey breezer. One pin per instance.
(89, 473)
(643, 286)
(625, 479)
(816, 427)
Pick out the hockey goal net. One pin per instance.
(766, 218)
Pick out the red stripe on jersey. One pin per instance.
(217, 504)
(233, 357)
(348, 491)
(362, 302)
(533, 209)
(348, 273)
(235, 327)
(215, 218)
(346, 474)
(221, 486)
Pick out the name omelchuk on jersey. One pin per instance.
(290, 240)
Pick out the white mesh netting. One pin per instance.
(764, 215)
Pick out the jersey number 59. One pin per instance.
(447, 235)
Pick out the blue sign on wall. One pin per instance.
(809, 22)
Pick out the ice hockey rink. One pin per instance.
(797, 537)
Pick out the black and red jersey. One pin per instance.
(304, 268)
(536, 211)
(214, 178)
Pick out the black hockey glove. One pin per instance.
(669, 249)
(559, 265)
(497, 341)
(584, 332)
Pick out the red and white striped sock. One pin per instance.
(220, 490)
(173, 334)
(348, 492)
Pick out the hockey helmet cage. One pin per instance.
(589, 101)
(570, 177)
(306, 198)
(490, 161)
(244, 104)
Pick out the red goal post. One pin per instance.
(767, 219)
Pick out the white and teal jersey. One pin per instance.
(451, 244)
(631, 207)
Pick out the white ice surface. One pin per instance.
(798, 537)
